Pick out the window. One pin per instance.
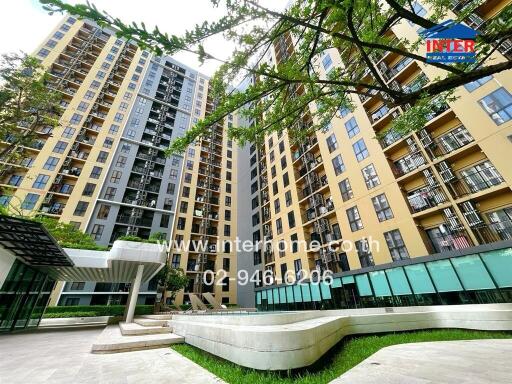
(15, 180)
(255, 203)
(96, 172)
(227, 201)
(343, 111)
(279, 226)
(110, 193)
(370, 176)
(89, 189)
(181, 223)
(277, 206)
(498, 105)
(100, 75)
(273, 171)
(108, 142)
(338, 165)
(382, 208)
(103, 212)
(102, 157)
(354, 219)
(286, 180)
(183, 207)
(327, 62)
(83, 106)
(288, 198)
(118, 117)
(173, 174)
(352, 127)
(291, 219)
(89, 95)
(115, 177)
(97, 231)
(185, 192)
(227, 215)
(225, 285)
(68, 132)
(51, 43)
(294, 240)
(396, 245)
(75, 119)
(60, 147)
(297, 265)
(282, 248)
(470, 87)
(228, 188)
(80, 208)
(30, 201)
(77, 286)
(43, 52)
(283, 162)
(281, 147)
(360, 150)
(275, 188)
(125, 148)
(364, 253)
(272, 156)
(346, 190)
(51, 163)
(226, 264)
(123, 106)
(255, 219)
(175, 262)
(40, 181)
(227, 230)
(121, 161)
(171, 187)
(332, 143)
(164, 220)
(95, 84)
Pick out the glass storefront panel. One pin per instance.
(326, 291)
(499, 263)
(363, 285)
(444, 277)
(472, 272)
(419, 279)
(315, 291)
(306, 294)
(379, 283)
(398, 281)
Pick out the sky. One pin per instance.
(24, 24)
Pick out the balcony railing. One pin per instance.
(449, 142)
(493, 232)
(426, 197)
(389, 138)
(475, 180)
(408, 163)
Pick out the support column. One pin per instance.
(134, 294)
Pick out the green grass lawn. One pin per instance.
(345, 355)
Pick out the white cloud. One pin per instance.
(24, 24)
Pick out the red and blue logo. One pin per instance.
(450, 42)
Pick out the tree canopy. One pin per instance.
(28, 109)
(282, 91)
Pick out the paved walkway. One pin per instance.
(64, 357)
(460, 362)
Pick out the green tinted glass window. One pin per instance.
(444, 276)
(282, 295)
(379, 283)
(297, 293)
(472, 272)
(398, 281)
(347, 279)
(264, 294)
(258, 297)
(306, 295)
(315, 291)
(276, 295)
(363, 285)
(270, 297)
(419, 279)
(326, 291)
(289, 294)
(336, 283)
(499, 263)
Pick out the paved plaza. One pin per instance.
(446, 362)
(64, 357)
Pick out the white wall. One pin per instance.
(6, 261)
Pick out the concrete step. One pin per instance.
(156, 317)
(151, 322)
(111, 340)
(132, 329)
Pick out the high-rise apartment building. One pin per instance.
(443, 189)
(104, 168)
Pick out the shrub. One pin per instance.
(94, 310)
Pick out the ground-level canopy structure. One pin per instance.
(31, 261)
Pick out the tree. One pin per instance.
(280, 97)
(172, 280)
(28, 109)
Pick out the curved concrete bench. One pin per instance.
(298, 339)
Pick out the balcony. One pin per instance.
(408, 163)
(475, 179)
(269, 256)
(314, 186)
(447, 143)
(389, 138)
(139, 221)
(426, 197)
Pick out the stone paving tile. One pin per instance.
(446, 362)
(64, 357)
